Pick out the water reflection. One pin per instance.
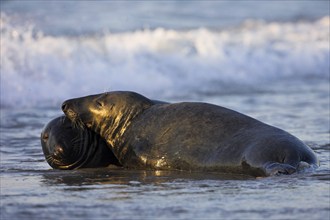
(117, 176)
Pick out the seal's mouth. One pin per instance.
(56, 163)
(71, 114)
(59, 161)
(74, 118)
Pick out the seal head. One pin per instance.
(66, 146)
(107, 114)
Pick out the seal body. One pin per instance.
(188, 136)
(68, 147)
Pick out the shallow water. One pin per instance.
(271, 66)
(157, 195)
(30, 189)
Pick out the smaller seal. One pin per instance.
(68, 147)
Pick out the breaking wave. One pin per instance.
(159, 62)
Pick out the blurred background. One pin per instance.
(173, 50)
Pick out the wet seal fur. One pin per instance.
(188, 136)
(69, 147)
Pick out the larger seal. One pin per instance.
(70, 147)
(188, 136)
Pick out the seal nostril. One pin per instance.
(64, 107)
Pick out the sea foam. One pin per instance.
(159, 63)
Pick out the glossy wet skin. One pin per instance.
(70, 147)
(108, 114)
(187, 136)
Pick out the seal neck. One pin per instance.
(114, 128)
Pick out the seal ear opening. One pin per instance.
(64, 106)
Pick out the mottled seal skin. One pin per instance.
(188, 136)
(68, 147)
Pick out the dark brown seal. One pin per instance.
(69, 147)
(188, 136)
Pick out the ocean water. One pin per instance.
(269, 60)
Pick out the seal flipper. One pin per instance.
(274, 168)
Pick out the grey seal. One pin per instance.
(187, 136)
(69, 147)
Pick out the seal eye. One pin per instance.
(45, 137)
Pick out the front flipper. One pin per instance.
(274, 168)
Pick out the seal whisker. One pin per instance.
(50, 160)
(62, 120)
(78, 124)
(76, 139)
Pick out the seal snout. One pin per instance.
(58, 152)
(68, 111)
